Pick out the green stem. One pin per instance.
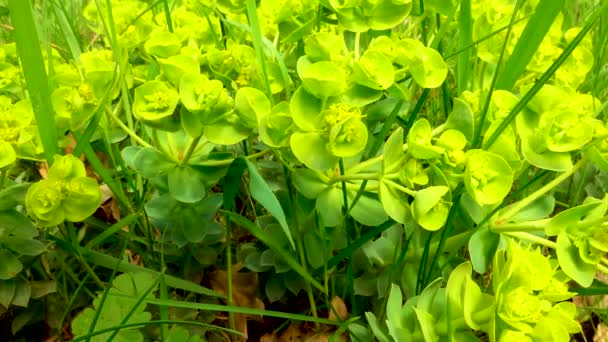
(400, 187)
(532, 238)
(357, 44)
(191, 148)
(231, 318)
(3, 176)
(311, 297)
(517, 207)
(125, 128)
(527, 226)
(356, 176)
(168, 15)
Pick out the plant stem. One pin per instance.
(356, 176)
(357, 45)
(537, 225)
(400, 187)
(191, 148)
(311, 297)
(3, 176)
(517, 207)
(231, 318)
(126, 129)
(532, 238)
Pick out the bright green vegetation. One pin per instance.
(390, 170)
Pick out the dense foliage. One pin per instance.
(412, 170)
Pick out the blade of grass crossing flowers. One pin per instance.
(465, 37)
(235, 309)
(547, 75)
(67, 30)
(488, 99)
(28, 46)
(254, 23)
(271, 242)
(533, 34)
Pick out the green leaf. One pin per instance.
(7, 154)
(329, 206)
(482, 247)
(23, 292)
(306, 110)
(461, 118)
(322, 79)
(529, 41)
(163, 44)
(571, 263)
(12, 196)
(10, 265)
(251, 106)
(394, 202)
(374, 70)
(429, 207)
(24, 246)
(186, 185)
(28, 46)
(311, 149)
(260, 191)
(7, 292)
(465, 38)
(151, 163)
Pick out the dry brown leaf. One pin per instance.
(340, 309)
(601, 334)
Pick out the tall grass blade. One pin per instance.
(256, 33)
(157, 322)
(533, 34)
(465, 37)
(28, 46)
(271, 242)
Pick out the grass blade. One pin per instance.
(269, 241)
(465, 38)
(157, 322)
(28, 46)
(254, 23)
(533, 34)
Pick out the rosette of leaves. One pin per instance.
(551, 127)
(122, 305)
(582, 241)
(155, 103)
(425, 64)
(17, 240)
(186, 181)
(362, 15)
(487, 177)
(530, 293)
(67, 194)
(18, 134)
(325, 134)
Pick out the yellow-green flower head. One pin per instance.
(67, 194)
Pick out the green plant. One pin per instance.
(450, 152)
